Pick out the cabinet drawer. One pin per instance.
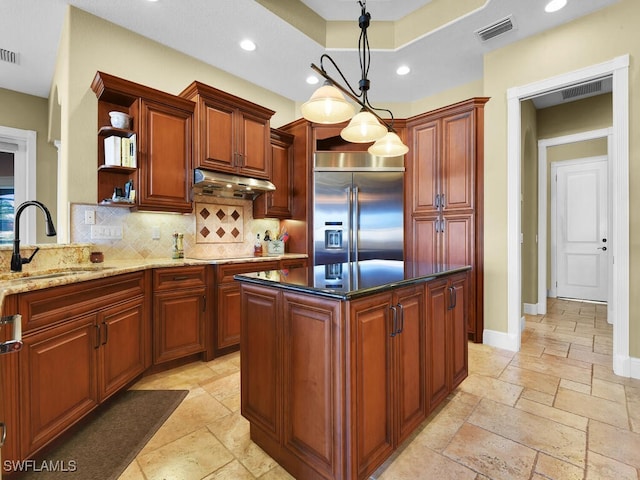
(179, 277)
(226, 272)
(44, 307)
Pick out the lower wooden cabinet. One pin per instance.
(447, 361)
(180, 312)
(82, 343)
(332, 387)
(227, 318)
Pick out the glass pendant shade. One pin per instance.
(388, 146)
(327, 105)
(363, 128)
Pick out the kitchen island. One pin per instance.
(340, 363)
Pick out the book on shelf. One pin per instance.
(120, 151)
(113, 151)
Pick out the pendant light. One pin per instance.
(388, 146)
(328, 105)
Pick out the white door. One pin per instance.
(581, 246)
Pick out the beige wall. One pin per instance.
(529, 204)
(608, 33)
(27, 112)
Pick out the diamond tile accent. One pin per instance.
(227, 223)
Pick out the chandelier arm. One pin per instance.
(323, 72)
(366, 106)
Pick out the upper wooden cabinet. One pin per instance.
(163, 124)
(232, 133)
(278, 204)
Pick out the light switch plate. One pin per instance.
(106, 232)
(90, 217)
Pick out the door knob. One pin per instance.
(604, 249)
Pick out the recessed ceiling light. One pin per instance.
(403, 70)
(555, 5)
(248, 45)
(311, 80)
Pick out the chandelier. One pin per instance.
(328, 105)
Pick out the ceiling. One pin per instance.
(210, 31)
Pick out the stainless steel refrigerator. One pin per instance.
(357, 208)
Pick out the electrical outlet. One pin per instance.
(155, 233)
(106, 232)
(89, 217)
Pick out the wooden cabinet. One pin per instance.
(388, 359)
(447, 362)
(444, 196)
(82, 343)
(163, 125)
(278, 204)
(331, 387)
(227, 303)
(232, 134)
(180, 312)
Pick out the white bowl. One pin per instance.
(119, 119)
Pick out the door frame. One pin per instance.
(24, 176)
(554, 221)
(618, 69)
(543, 145)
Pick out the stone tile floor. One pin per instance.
(554, 410)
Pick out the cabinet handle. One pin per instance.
(179, 278)
(394, 320)
(97, 329)
(401, 308)
(106, 333)
(442, 203)
(204, 303)
(442, 225)
(437, 201)
(453, 298)
(3, 437)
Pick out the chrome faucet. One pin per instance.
(16, 260)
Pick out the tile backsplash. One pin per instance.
(230, 220)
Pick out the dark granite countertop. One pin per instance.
(349, 280)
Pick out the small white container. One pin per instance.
(275, 247)
(119, 119)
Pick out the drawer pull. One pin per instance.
(179, 278)
(15, 343)
(3, 436)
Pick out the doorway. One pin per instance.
(618, 69)
(579, 226)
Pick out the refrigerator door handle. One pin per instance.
(349, 222)
(356, 216)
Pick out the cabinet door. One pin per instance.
(179, 322)
(371, 367)
(410, 342)
(217, 137)
(254, 151)
(58, 383)
(437, 304)
(425, 245)
(260, 358)
(312, 376)
(164, 157)
(124, 343)
(458, 329)
(278, 204)
(228, 317)
(458, 164)
(424, 167)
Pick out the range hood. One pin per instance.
(207, 182)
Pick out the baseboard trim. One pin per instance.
(531, 308)
(634, 367)
(501, 340)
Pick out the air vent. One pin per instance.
(581, 90)
(8, 56)
(495, 29)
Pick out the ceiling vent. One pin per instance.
(498, 28)
(581, 90)
(8, 56)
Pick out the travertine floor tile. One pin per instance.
(535, 432)
(490, 454)
(617, 443)
(599, 467)
(533, 380)
(498, 390)
(592, 407)
(554, 414)
(557, 367)
(549, 467)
